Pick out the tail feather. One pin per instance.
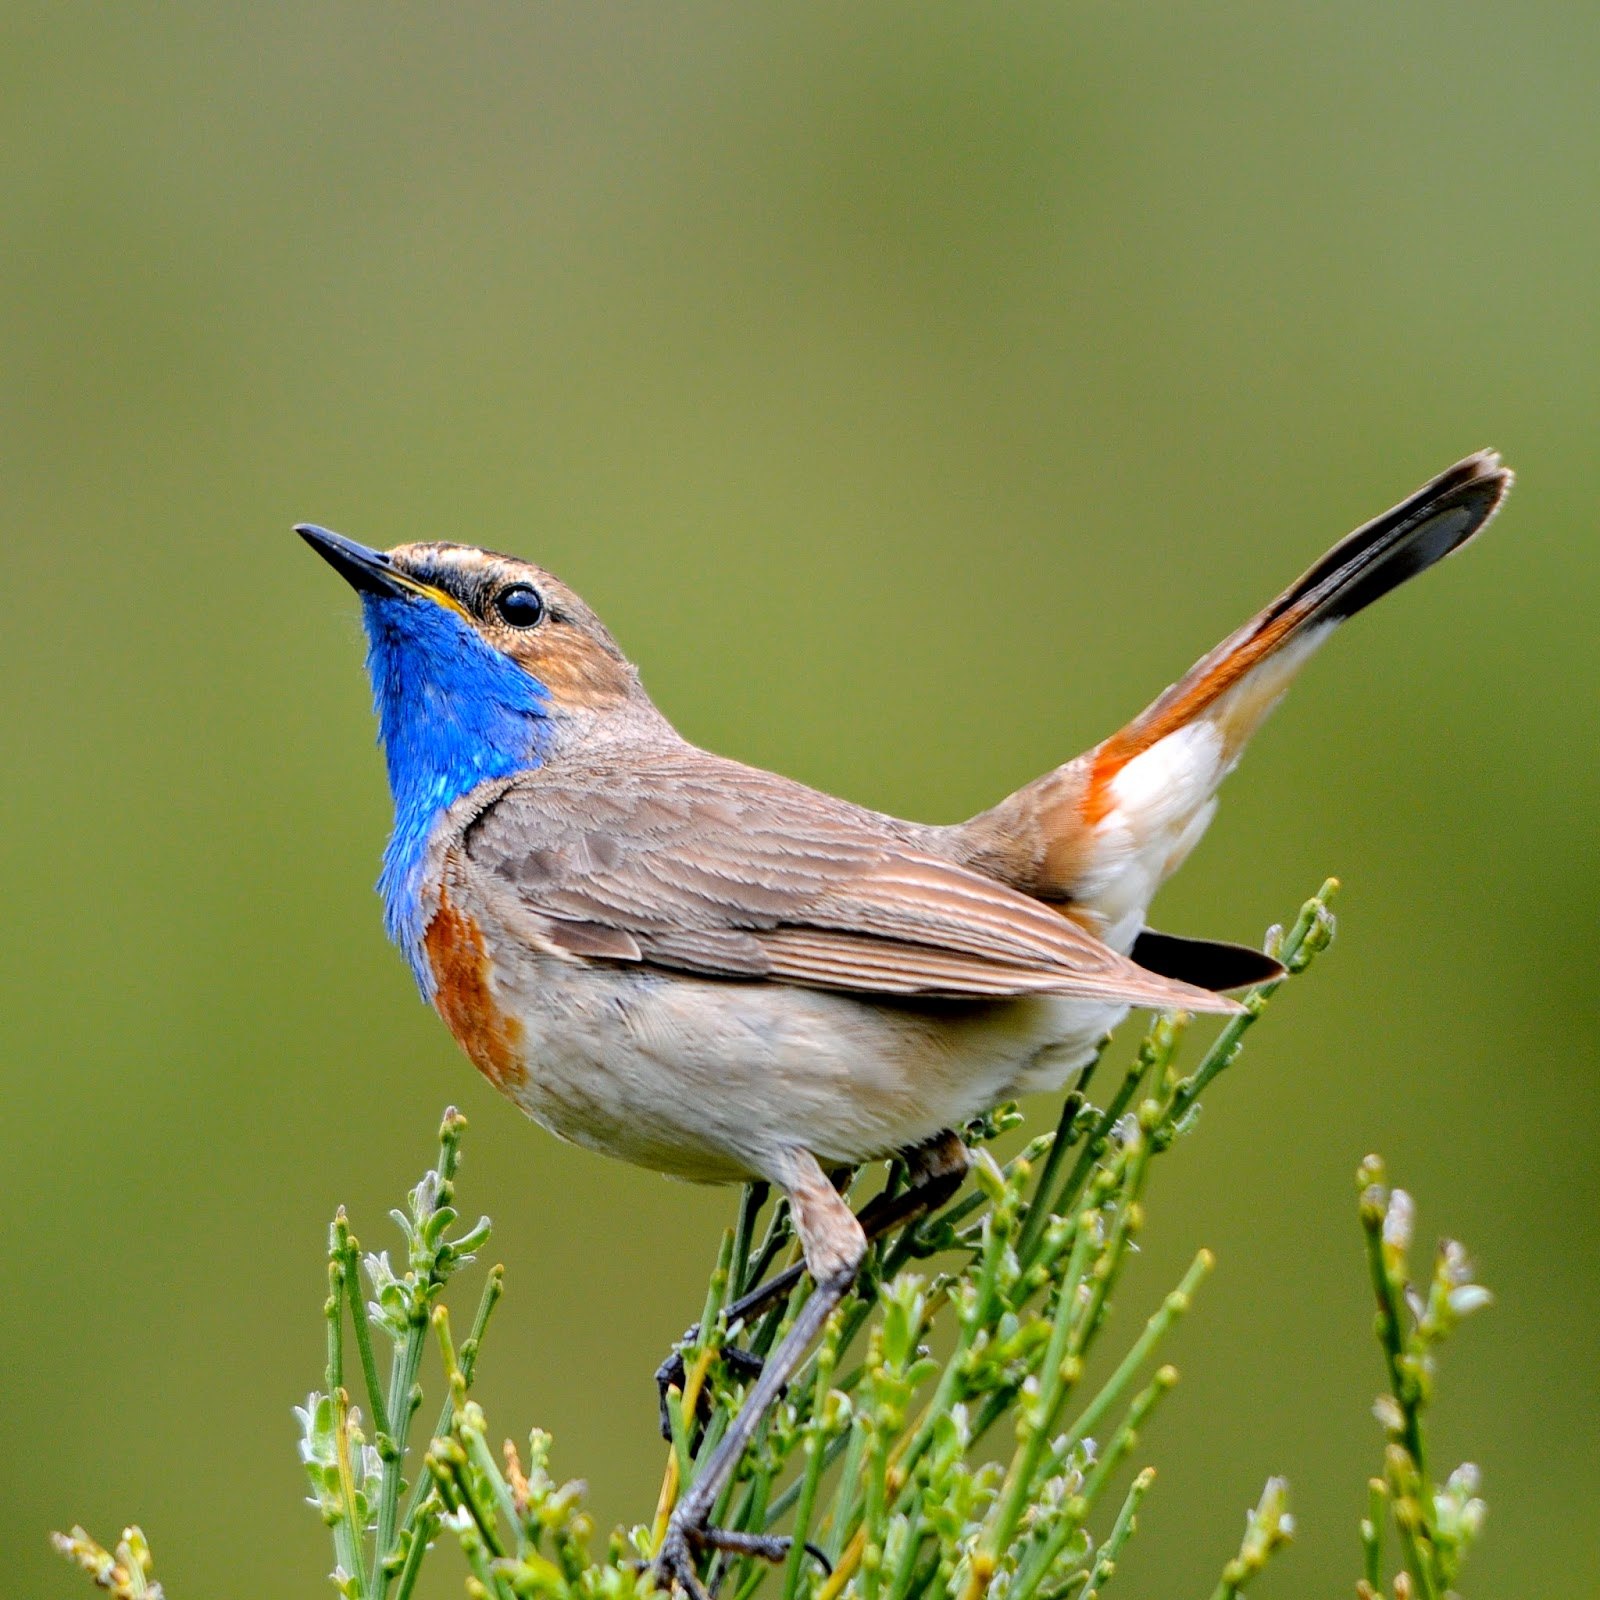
(1438, 519)
(1206, 963)
(1099, 835)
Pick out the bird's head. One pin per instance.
(482, 666)
(453, 619)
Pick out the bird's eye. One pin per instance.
(521, 605)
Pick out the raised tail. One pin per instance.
(1235, 685)
(1100, 834)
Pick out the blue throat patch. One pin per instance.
(452, 713)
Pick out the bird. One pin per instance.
(724, 975)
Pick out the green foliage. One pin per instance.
(1435, 1526)
(124, 1574)
(991, 1468)
(1266, 1529)
(358, 1486)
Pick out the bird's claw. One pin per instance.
(672, 1374)
(674, 1563)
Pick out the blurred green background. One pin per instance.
(915, 390)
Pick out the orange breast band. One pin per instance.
(464, 998)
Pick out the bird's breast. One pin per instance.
(464, 996)
(708, 1078)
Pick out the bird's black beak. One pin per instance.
(370, 571)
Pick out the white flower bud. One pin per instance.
(1390, 1417)
(1398, 1220)
(1468, 1298)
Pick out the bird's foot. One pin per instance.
(672, 1374)
(674, 1565)
(675, 1561)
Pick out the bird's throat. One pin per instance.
(453, 713)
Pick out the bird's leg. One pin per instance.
(835, 1247)
(935, 1168)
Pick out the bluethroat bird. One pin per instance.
(714, 971)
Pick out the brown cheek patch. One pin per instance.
(576, 670)
(462, 997)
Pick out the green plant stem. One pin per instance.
(333, 1312)
(479, 1453)
(1095, 1146)
(349, 1253)
(1079, 1507)
(351, 1554)
(1155, 1330)
(815, 1442)
(404, 1398)
(1038, 1215)
(1311, 932)
(751, 1200)
(1372, 1532)
(1121, 1531)
(875, 1510)
(1410, 1515)
(456, 1458)
(1103, 1275)
(950, 1378)
(1127, 1435)
(1391, 1335)
(905, 1572)
(1026, 1465)
(779, 1231)
(1060, 1375)
(493, 1288)
(411, 1569)
(1266, 1529)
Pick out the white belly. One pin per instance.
(707, 1079)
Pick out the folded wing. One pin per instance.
(690, 862)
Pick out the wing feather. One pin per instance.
(686, 861)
